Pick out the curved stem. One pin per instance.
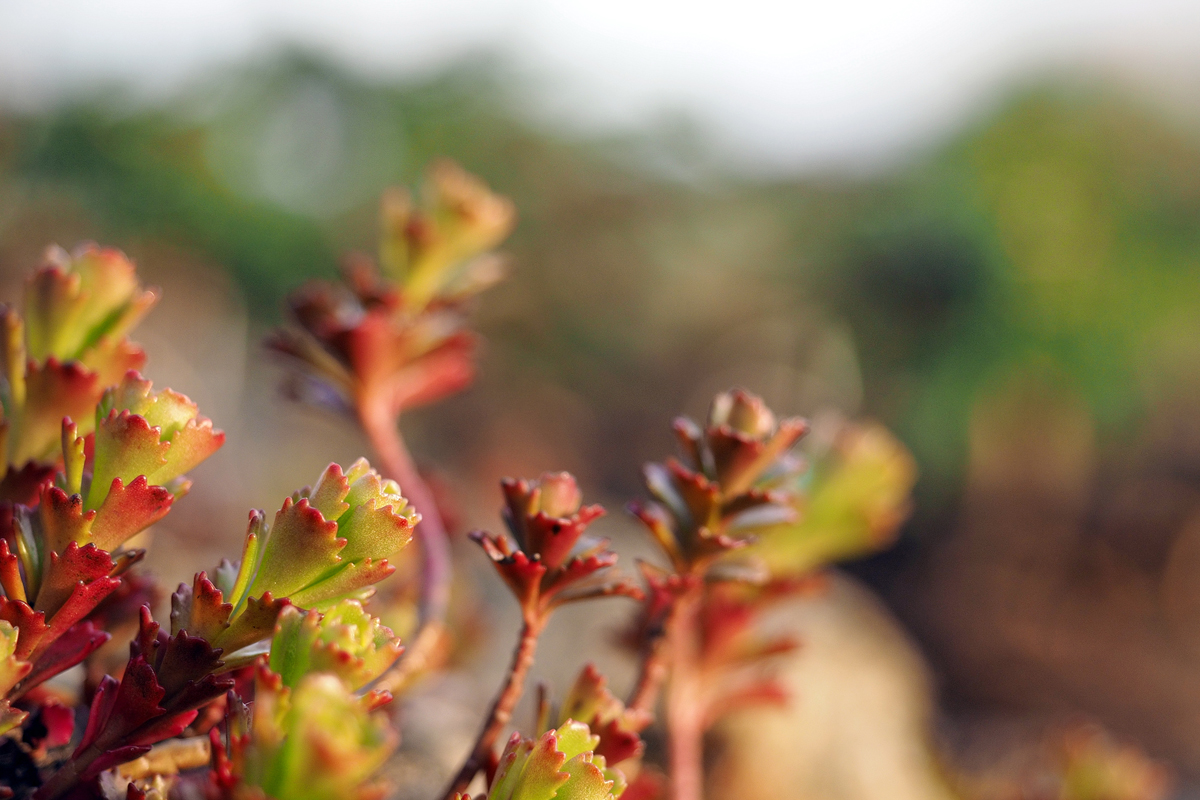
(502, 707)
(384, 434)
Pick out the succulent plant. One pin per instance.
(316, 740)
(394, 335)
(344, 640)
(92, 477)
(268, 681)
(67, 348)
(737, 479)
(733, 519)
(551, 563)
(560, 764)
(328, 543)
(552, 560)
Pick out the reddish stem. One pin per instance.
(502, 708)
(384, 434)
(652, 671)
(685, 712)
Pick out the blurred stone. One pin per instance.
(857, 727)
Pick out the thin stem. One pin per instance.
(652, 671)
(384, 434)
(502, 708)
(685, 711)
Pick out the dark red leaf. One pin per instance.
(80, 641)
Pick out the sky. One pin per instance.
(775, 85)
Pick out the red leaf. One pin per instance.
(129, 510)
(10, 573)
(113, 758)
(102, 705)
(68, 571)
(578, 569)
(616, 743)
(31, 624)
(22, 485)
(553, 538)
(60, 724)
(165, 727)
(181, 662)
(62, 518)
(522, 574)
(53, 390)
(65, 652)
(137, 702)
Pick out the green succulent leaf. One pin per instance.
(858, 497)
(431, 249)
(332, 540)
(559, 765)
(80, 304)
(314, 741)
(344, 640)
(12, 671)
(156, 435)
(307, 559)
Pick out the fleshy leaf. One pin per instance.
(80, 641)
(858, 498)
(77, 303)
(590, 701)
(315, 560)
(739, 479)
(560, 765)
(345, 641)
(166, 679)
(302, 547)
(316, 741)
(552, 560)
(162, 446)
(395, 337)
(53, 390)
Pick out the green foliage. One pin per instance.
(344, 640)
(155, 435)
(559, 765)
(314, 741)
(853, 504)
(12, 670)
(292, 608)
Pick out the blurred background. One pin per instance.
(977, 223)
